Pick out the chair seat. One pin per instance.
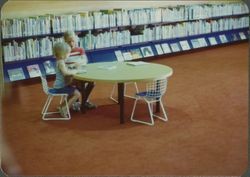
(52, 91)
(150, 94)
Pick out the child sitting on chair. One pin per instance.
(62, 51)
(71, 39)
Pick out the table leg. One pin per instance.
(121, 101)
(83, 93)
(157, 109)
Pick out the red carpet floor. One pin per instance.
(206, 134)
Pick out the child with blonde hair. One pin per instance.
(61, 85)
(71, 39)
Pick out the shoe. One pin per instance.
(63, 112)
(76, 106)
(90, 105)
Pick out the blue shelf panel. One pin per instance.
(102, 56)
(30, 60)
(23, 64)
(228, 34)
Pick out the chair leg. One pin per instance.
(126, 95)
(129, 96)
(46, 107)
(136, 88)
(112, 94)
(133, 111)
(150, 108)
(67, 106)
(140, 121)
(61, 100)
(165, 118)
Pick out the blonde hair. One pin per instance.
(60, 49)
(70, 34)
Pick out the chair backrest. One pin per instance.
(44, 84)
(156, 88)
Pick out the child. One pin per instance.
(70, 38)
(62, 51)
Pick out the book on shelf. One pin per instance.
(234, 37)
(127, 56)
(184, 45)
(175, 47)
(119, 55)
(202, 42)
(49, 67)
(136, 53)
(223, 38)
(34, 70)
(195, 43)
(242, 35)
(16, 74)
(147, 51)
(166, 48)
(212, 41)
(159, 49)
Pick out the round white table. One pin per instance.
(120, 73)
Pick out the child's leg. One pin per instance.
(89, 88)
(73, 93)
(76, 95)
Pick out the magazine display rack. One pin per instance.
(120, 34)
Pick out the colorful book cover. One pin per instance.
(184, 45)
(212, 40)
(166, 48)
(127, 56)
(223, 38)
(195, 43)
(119, 55)
(16, 74)
(49, 67)
(136, 53)
(147, 51)
(202, 42)
(159, 49)
(234, 37)
(242, 35)
(34, 70)
(175, 47)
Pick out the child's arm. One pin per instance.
(64, 69)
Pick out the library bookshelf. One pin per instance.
(120, 34)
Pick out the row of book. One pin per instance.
(117, 38)
(33, 70)
(31, 48)
(183, 45)
(39, 25)
(35, 48)
(30, 26)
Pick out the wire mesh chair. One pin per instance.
(126, 95)
(154, 93)
(50, 92)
